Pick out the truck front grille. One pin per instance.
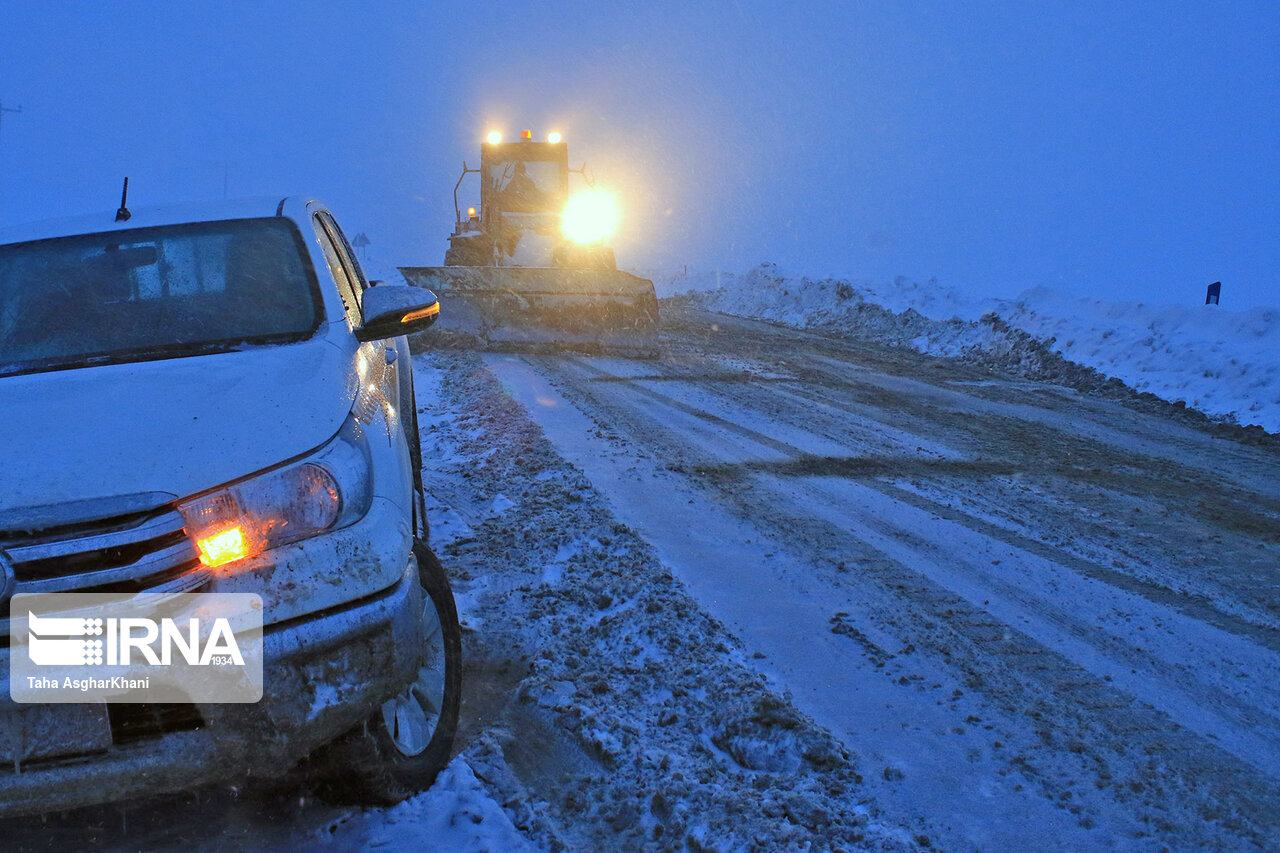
(137, 552)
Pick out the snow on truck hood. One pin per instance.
(178, 426)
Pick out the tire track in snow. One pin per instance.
(1247, 747)
(799, 456)
(660, 414)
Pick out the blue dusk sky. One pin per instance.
(1125, 150)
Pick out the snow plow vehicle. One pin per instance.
(529, 271)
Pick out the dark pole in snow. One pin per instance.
(4, 109)
(1213, 293)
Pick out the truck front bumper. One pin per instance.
(323, 673)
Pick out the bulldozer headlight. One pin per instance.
(553, 137)
(494, 137)
(589, 217)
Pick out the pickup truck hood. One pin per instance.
(177, 426)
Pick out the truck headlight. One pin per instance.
(330, 488)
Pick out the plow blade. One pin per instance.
(536, 309)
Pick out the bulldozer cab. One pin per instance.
(523, 177)
(524, 187)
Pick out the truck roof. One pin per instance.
(293, 207)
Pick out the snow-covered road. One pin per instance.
(1041, 620)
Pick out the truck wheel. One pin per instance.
(407, 742)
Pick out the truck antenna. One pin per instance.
(123, 213)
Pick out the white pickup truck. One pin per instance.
(215, 400)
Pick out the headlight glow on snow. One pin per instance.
(589, 217)
(287, 504)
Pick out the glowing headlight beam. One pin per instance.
(589, 217)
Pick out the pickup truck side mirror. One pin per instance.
(394, 310)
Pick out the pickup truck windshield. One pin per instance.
(154, 293)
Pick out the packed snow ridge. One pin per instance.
(1223, 363)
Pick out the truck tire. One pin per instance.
(405, 744)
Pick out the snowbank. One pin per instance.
(456, 813)
(1223, 363)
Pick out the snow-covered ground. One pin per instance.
(455, 814)
(990, 590)
(603, 707)
(1222, 362)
